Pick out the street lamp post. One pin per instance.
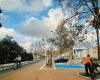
(45, 56)
(45, 51)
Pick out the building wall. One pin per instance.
(80, 53)
(94, 54)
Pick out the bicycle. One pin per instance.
(17, 65)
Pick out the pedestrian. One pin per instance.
(18, 60)
(88, 65)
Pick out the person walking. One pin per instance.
(88, 65)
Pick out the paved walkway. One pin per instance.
(33, 72)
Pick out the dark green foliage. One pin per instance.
(9, 49)
(0, 25)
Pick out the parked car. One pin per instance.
(61, 60)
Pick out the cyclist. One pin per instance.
(18, 60)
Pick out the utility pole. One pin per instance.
(97, 24)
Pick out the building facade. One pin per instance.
(80, 53)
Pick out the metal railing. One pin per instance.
(10, 65)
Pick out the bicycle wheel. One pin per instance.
(15, 66)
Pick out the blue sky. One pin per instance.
(15, 18)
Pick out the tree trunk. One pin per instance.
(70, 52)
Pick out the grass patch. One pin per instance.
(83, 74)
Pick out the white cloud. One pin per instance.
(23, 5)
(26, 46)
(41, 28)
(6, 31)
(23, 41)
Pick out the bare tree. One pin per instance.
(38, 48)
(80, 12)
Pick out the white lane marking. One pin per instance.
(42, 66)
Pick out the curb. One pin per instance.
(83, 76)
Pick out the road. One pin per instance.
(33, 72)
